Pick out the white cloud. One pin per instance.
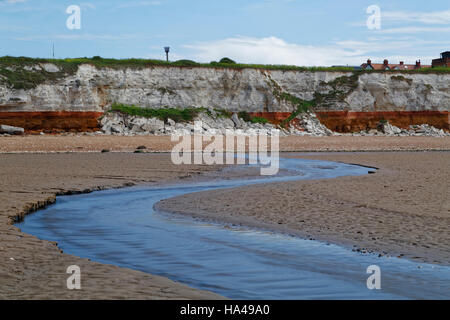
(15, 6)
(77, 37)
(413, 22)
(273, 50)
(437, 17)
(131, 4)
(392, 44)
(13, 28)
(87, 5)
(264, 4)
(414, 30)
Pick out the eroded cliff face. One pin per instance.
(252, 90)
(92, 89)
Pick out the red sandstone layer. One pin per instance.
(346, 121)
(52, 120)
(349, 121)
(340, 121)
(273, 117)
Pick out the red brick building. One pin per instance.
(389, 66)
(444, 61)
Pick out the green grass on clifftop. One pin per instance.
(20, 72)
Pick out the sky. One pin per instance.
(293, 32)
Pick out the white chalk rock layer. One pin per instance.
(251, 90)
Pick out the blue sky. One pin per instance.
(299, 32)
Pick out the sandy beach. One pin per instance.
(170, 150)
(403, 209)
(36, 269)
(89, 143)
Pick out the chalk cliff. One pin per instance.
(336, 94)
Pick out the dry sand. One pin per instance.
(86, 143)
(404, 206)
(402, 210)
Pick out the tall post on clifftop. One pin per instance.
(167, 49)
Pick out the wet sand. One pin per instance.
(406, 201)
(36, 269)
(402, 210)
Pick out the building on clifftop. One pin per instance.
(444, 61)
(388, 66)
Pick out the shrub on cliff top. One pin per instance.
(185, 63)
(227, 60)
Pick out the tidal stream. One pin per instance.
(121, 227)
